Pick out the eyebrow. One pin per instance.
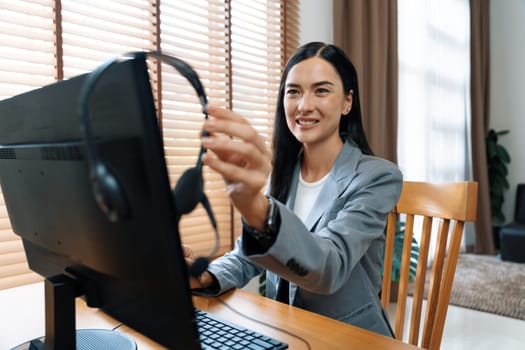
(319, 83)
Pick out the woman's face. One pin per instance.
(314, 100)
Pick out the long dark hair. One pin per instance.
(286, 147)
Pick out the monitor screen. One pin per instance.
(133, 269)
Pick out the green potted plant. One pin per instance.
(397, 256)
(497, 160)
(398, 251)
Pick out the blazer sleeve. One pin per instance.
(322, 259)
(233, 269)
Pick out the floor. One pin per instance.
(471, 329)
(467, 329)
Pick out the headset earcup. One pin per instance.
(188, 191)
(108, 193)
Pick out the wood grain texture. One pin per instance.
(450, 205)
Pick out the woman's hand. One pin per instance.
(241, 157)
(204, 280)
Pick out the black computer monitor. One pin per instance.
(132, 269)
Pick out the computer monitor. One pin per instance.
(133, 269)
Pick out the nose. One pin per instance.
(306, 103)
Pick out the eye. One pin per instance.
(322, 90)
(292, 92)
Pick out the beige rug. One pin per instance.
(488, 284)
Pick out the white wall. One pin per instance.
(507, 100)
(316, 21)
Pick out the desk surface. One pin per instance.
(22, 318)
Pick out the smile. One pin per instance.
(306, 122)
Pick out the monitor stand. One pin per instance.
(60, 294)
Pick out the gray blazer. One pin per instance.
(333, 261)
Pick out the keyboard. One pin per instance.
(216, 333)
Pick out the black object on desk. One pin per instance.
(512, 235)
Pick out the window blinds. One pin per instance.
(195, 32)
(26, 62)
(237, 47)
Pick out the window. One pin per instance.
(434, 92)
(238, 48)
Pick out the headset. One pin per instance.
(109, 194)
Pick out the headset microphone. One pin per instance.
(109, 194)
(198, 267)
(187, 194)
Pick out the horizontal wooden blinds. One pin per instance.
(195, 32)
(237, 47)
(27, 61)
(291, 27)
(96, 30)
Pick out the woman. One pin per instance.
(321, 224)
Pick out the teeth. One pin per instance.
(306, 122)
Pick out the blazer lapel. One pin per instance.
(338, 180)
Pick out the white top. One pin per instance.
(307, 193)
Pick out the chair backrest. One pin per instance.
(451, 204)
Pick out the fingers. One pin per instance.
(238, 163)
(187, 252)
(230, 123)
(240, 153)
(234, 140)
(224, 113)
(189, 258)
(194, 283)
(253, 179)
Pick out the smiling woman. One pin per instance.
(318, 229)
(237, 47)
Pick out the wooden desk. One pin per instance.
(22, 318)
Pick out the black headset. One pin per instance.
(109, 194)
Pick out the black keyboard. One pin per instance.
(216, 333)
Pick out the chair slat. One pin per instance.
(403, 277)
(389, 253)
(419, 284)
(435, 280)
(446, 286)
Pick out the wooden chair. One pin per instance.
(452, 204)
